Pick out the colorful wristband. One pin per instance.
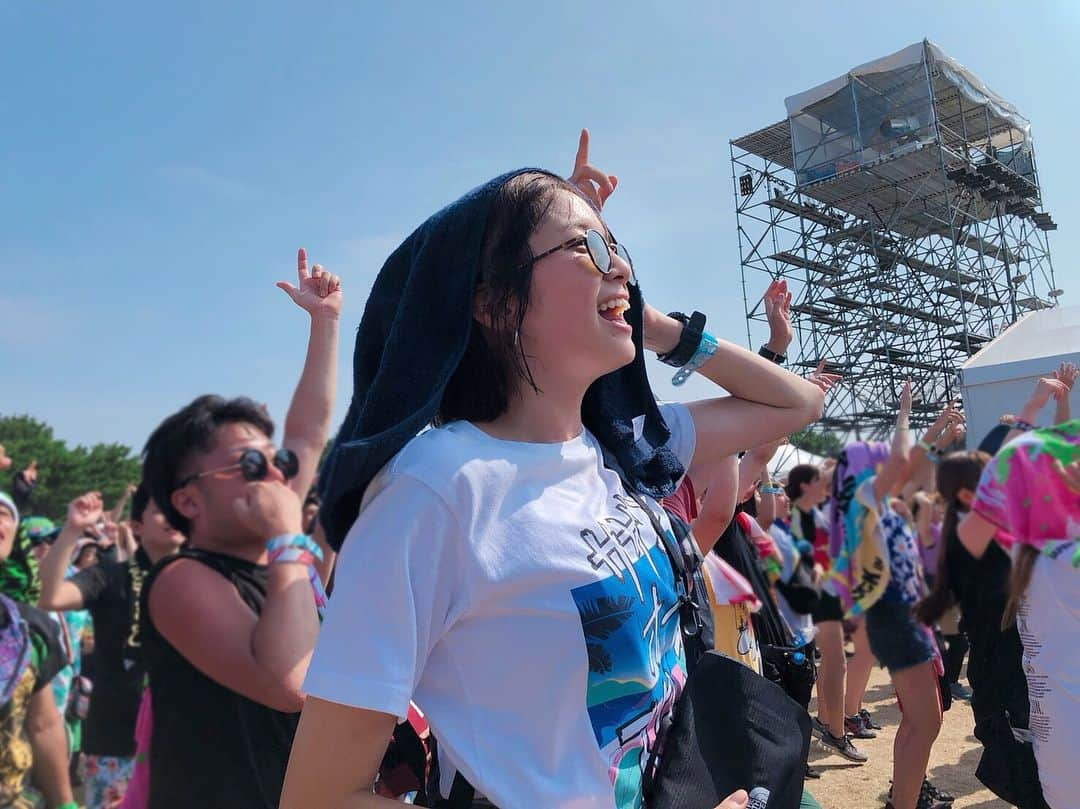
(300, 549)
(706, 348)
(771, 490)
(295, 541)
(1020, 424)
(925, 446)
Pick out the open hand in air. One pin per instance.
(1066, 375)
(1046, 389)
(822, 379)
(777, 301)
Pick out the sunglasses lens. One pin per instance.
(598, 250)
(624, 254)
(253, 465)
(287, 462)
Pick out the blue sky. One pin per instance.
(162, 162)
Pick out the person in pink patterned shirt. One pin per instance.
(1028, 500)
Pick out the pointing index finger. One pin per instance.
(582, 158)
(301, 265)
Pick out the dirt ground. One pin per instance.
(845, 785)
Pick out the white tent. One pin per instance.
(1000, 378)
(788, 456)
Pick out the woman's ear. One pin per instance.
(481, 306)
(964, 497)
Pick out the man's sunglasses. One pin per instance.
(600, 251)
(254, 466)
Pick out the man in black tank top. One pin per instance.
(227, 638)
(228, 631)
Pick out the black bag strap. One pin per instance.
(693, 606)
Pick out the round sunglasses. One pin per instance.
(254, 466)
(600, 251)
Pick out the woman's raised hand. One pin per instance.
(1066, 375)
(905, 398)
(777, 301)
(1046, 389)
(822, 379)
(595, 184)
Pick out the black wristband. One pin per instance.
(689, 340)
(772, 356)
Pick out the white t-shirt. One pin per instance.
(524, 602)
(1049, 624)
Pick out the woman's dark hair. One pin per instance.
(958, 470)
(1019, 579)
(799, 475)
(139, 501)
(494, 362)
(185, 433)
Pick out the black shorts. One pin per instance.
(897, 640)
(828, 608)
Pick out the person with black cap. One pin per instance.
(495, 569)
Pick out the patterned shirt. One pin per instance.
(1024, 490)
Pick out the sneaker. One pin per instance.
(930, 797)
(926, 802)
(812, 773)
(960, 692)
(817, 728)
(843, 746)
(922, 804)
(934, 793)
(857, 729)
(868, 720)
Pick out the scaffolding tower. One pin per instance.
(901, 202)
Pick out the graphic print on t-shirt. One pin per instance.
(630, 622)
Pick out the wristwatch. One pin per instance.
(772, 356)
(689, 340)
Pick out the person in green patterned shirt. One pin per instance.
(31, 730)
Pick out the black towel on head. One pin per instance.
(411, 338)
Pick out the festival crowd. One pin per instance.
(552, 589)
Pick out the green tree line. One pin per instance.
(64, 472)
(825, 444)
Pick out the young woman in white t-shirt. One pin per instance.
(498, 575)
